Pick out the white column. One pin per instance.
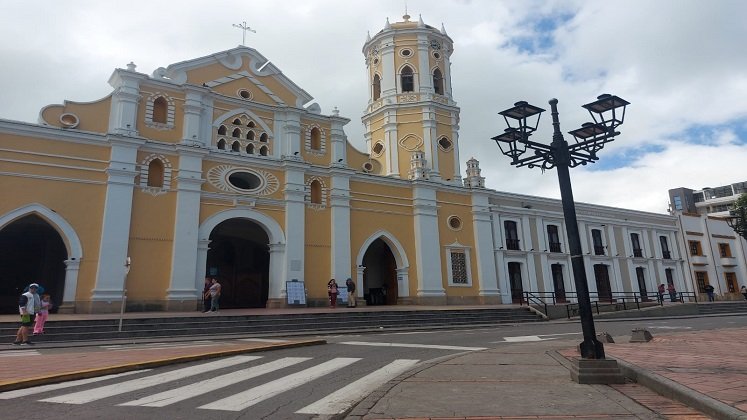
(125, 98)
(499, 249)
(392, 146)
(115, 230)
(277, 281)
(430, 142)
(359, 280)
(528, 245)
(192, 113)
(203, 245)
(72, 268)
(295, 217)
(427, 242)
(186, 226)
(403, 282)
(340, 206)
(388, 71)
(483, 231)
(426, 80)
(291, 135)
(338, 143)
(457, 175)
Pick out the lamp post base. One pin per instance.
(596, 371)
(591, 349)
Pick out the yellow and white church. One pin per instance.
(218, 166)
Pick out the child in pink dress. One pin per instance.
(42, 315)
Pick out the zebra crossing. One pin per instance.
(234, 376)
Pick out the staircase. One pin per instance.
(279, 324)
(728, 307)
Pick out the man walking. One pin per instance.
(214, 295)
(27, 308)
(351, 292)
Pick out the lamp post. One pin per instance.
(590, 139)
(737, 220)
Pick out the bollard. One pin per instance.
(605, 337)
(641, 335)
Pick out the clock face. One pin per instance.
(435, 45)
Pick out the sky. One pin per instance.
(681, 64)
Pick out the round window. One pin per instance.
(436, 55)
(245, 94)
(368, 167)
(455, 222)
(69, 120)
(405, 52)
(244, 180)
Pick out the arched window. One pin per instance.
(222, 130)
(221, 144)
(438, 82)
(316, 139)
(250, 149)
(155, 173)
(376, 87)
(316, 192)
(237, 122)
(251, 124)
(250, 135)
(236, 133)
(235, 147)
(160, 110)
(263, 138)
(407, 79)
(263, 151)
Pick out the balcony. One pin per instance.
(666, 255)
(638, 253)
(598, 250)
(555, 247)
(512, 244)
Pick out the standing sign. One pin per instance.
(296, 292)
(342, 294)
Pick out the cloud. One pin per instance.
(679, 63)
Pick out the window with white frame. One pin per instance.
(458, 265)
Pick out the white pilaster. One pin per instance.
(125, 98)
(483, 231)
(427, 242)
(392, 146)
(457, 175)
(340, 207)
(430, 142)
(115, 231)
(192, 115)
(426, 80)
(72, 267)
(338, 143)
(277, 260)
(295, 217)
(203, 245)
(186, 225)
(388, 71)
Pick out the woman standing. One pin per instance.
(332, 292)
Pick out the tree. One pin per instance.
(741, 201)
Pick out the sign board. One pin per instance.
(296, 292)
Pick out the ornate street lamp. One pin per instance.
(737, 220)
(589, 139)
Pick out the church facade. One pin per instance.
(216, 166)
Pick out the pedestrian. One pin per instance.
(672, 292)
(43, 314)
(27, 308)
(743, 291)
(351, 292)
(661, 293)
(332, 292)
(206, 295)
(709, 290)
(214, 292)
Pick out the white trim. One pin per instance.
(463, 249)
(400, 257)
(69, 238)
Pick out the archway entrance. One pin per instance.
(380, 276)
(239, 258)
(33, 252)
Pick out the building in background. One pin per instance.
(710, 201)
(715, 254)
(222, 166)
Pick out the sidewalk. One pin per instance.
(706, 370)
(81, 363)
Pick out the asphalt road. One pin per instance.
(300, 383)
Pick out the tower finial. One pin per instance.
(388, 25)
(406, 17)
(443, 29)
(421, 24)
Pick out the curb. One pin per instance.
(107, 370)
(678, 392)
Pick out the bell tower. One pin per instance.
(410, 108)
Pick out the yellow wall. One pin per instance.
(456, 204)
(92, 116)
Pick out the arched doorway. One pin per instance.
(380, 275)
(239, 258)
(33, 252)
